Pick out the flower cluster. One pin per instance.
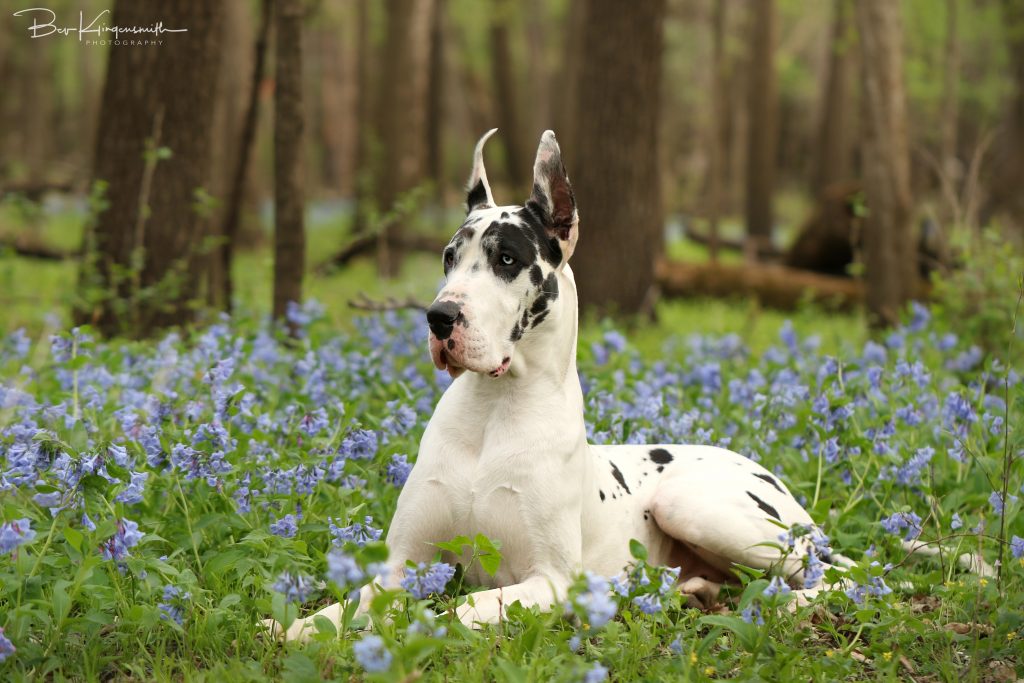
(426, 580)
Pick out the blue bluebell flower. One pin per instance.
(286, 527)
(294, 587)
(15, 533)
(595, 674)
(125, 537)
(426, 579)
(648, 604)
(357, 533)
(398, 470)
(372, 654)
(900, 521)
(6, 646)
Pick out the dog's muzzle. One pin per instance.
(441, 317)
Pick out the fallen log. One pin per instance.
(34, 250)
(775, 286)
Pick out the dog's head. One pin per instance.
(501, 267)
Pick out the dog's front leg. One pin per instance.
(488, 607)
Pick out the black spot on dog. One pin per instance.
(601, 493)
(646, 517)
(618, 476)
(504, 214)
(551, 286)
(661, 468)
(536, 275)
(502, 240)
(765, 507)
(517, 333)
(539, 319)
(451, 344)
(539, 305)
(660, 456)
(771, 480)
(533, 215)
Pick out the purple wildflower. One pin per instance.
(595, 674)
(16, 533)
(426, 579)
(899, 521)
(398, 470)
(357, 533)
(648, 604)
(286, 527)
(6, 646)
(372, 654)
(595, 601)
(127, 536)
(294, 587)
(1017, 547)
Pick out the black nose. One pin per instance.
(441, 317)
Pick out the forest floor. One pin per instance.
(158, 498)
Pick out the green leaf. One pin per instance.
(374, 552)
(230, 600)
(324, 625)
(299, 667)
(746, 633)
(74, 537)
(456, 544)
(637, 549)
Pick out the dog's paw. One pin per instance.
(299, 631)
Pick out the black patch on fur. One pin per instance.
(517, 333)
(504, 214)
(661, 468)
(539, 319)
(511, 239)
(533, 216)
(660, 456)
(771, 480)
(541, 304)
(536, 275)
(451, 344)
(618, 476)
(477, 196)
(601, 493)
(765, 507)
(551, 286)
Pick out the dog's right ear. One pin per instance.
(478, 191)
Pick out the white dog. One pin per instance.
(506, 454)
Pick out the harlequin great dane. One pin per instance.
(506, 454)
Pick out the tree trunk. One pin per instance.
(614, 169)
(889, 256)
(366, 125)
(436, 97)
(566, 82)
(716, 155)
(402, 117)
(504, 82)
(950, 83)
(150, 229)
(247, 140)
(289, 232)
(1008, 163)
(835, 158)
(763, 105)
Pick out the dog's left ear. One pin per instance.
(478, 190)
(552, 199)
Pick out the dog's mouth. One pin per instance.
(442, 353)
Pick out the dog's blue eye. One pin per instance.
(507, 260)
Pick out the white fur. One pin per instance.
(508, 457)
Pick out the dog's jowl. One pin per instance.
(505, 453)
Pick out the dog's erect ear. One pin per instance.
(552, 197)
(478, 191)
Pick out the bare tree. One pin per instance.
(616, 172)
(289, 231)
(402, 117)
(716, 152)
(763, 105)
(1008, 161)
(950, 86)
(221, 275)
(436, 96)
(889, 255)
(503, 77)
(834, 153)
(137, 273)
